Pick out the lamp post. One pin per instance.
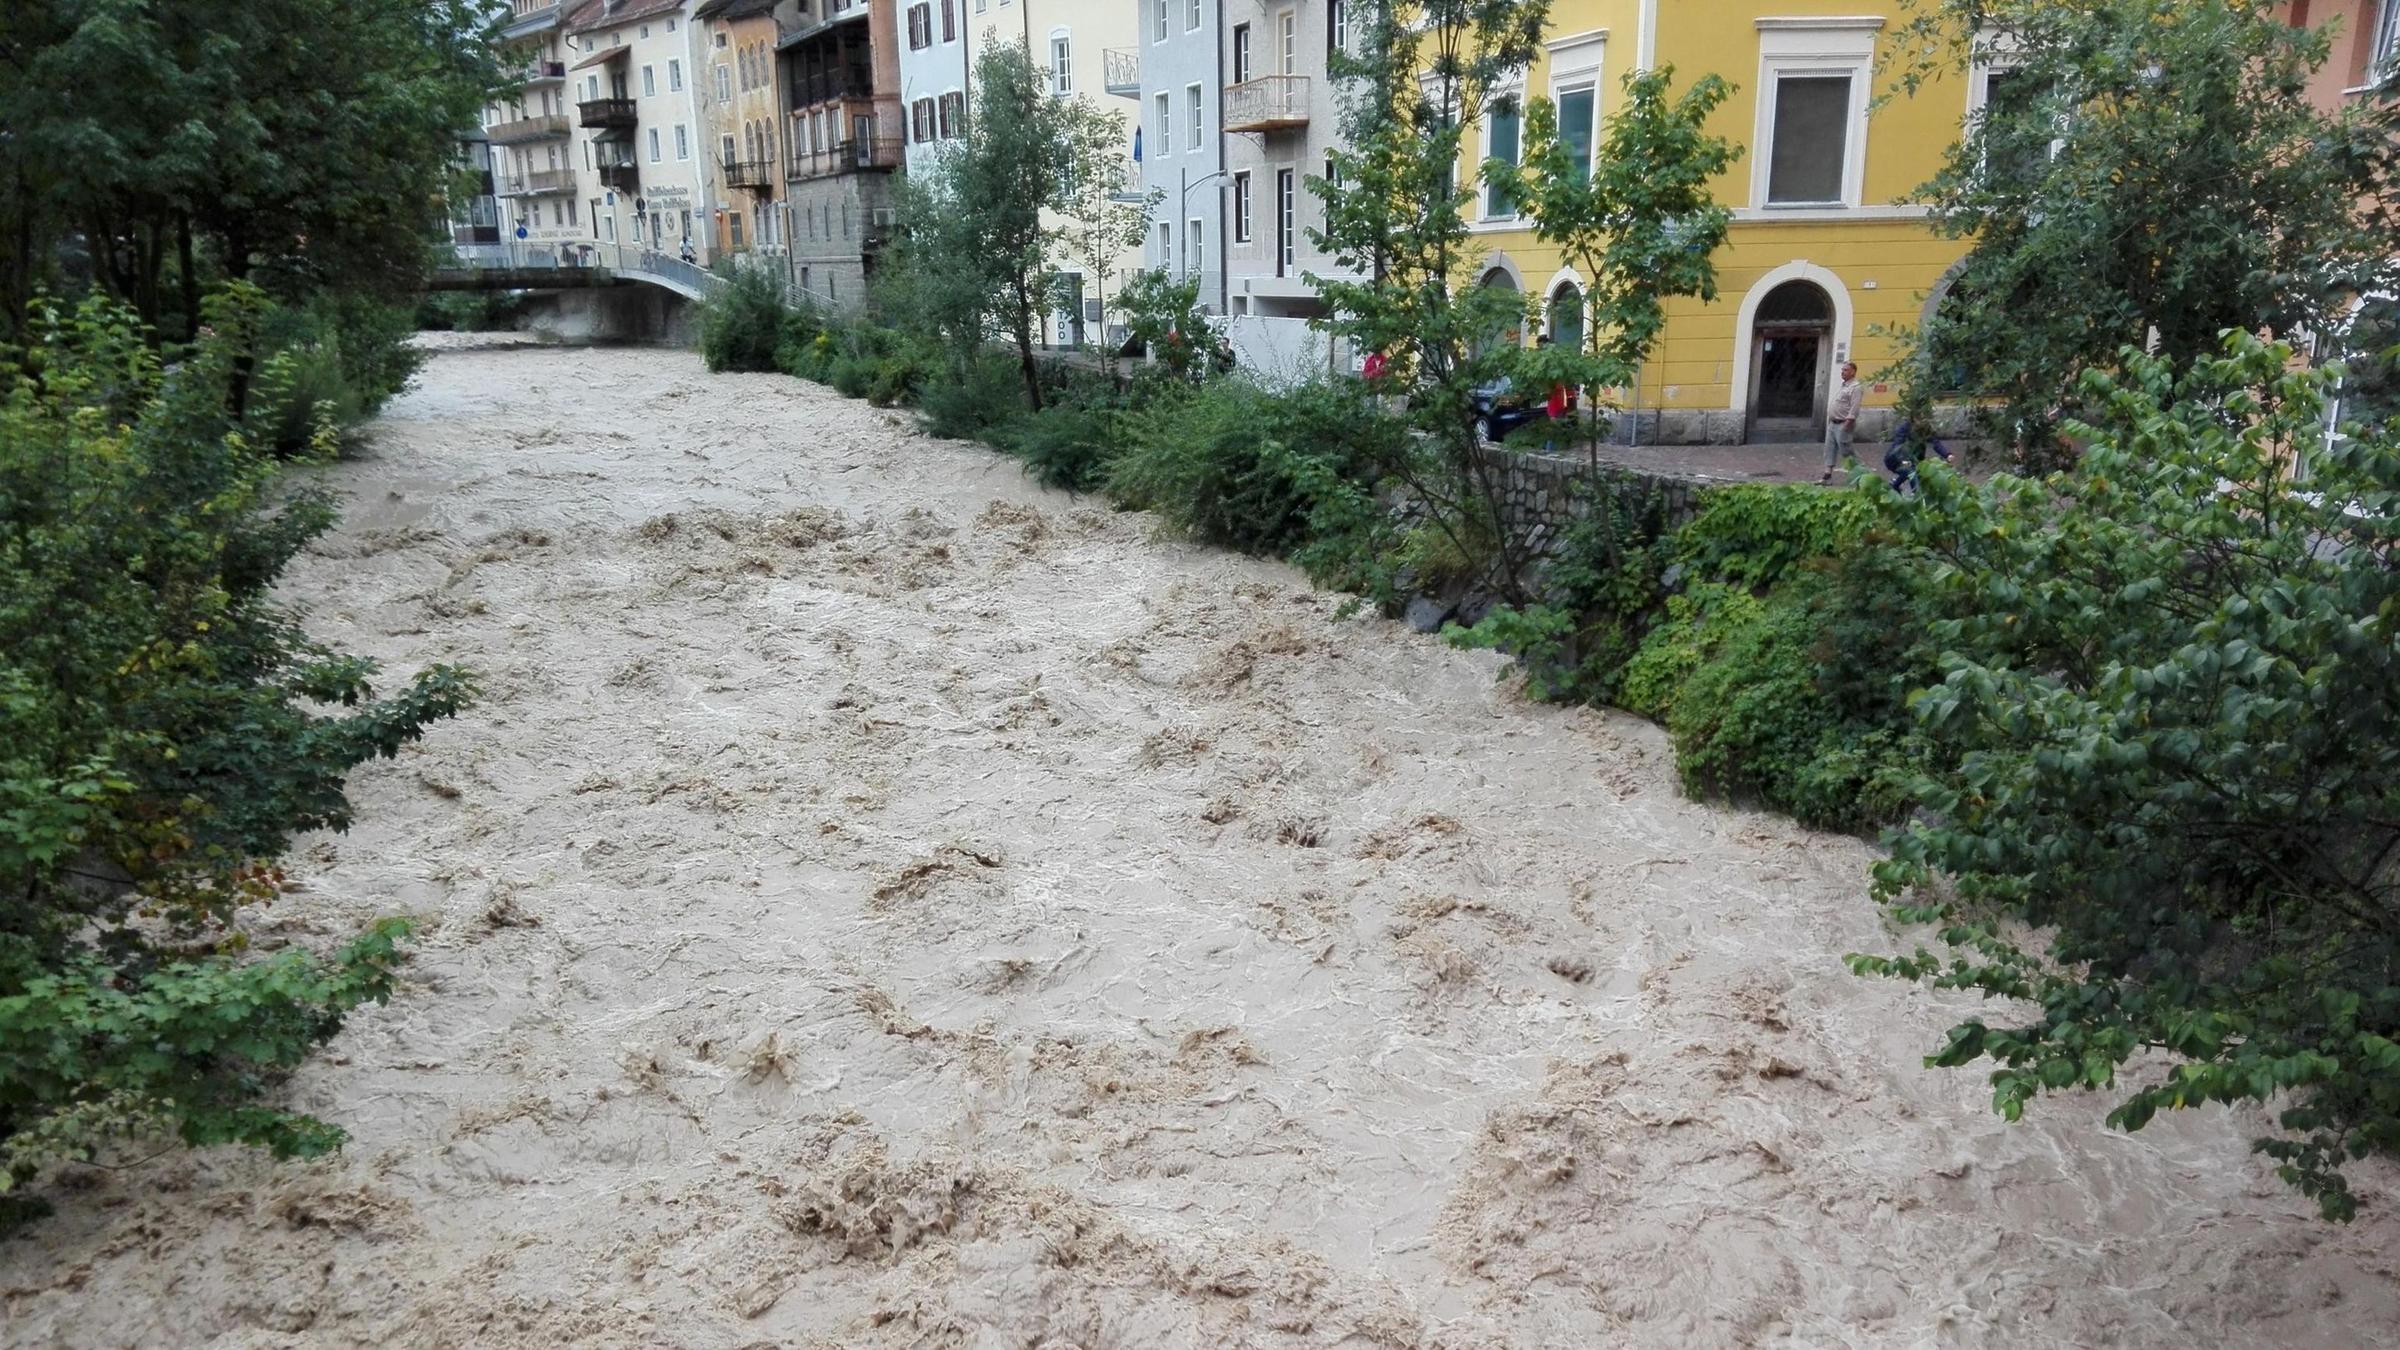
(1183, 203)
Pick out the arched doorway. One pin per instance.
(1791, 351)
(1504, 330)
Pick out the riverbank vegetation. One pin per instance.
(164, 729)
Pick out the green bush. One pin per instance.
(1752, 534)
(1064, 446)
(975, 406)
(742, 322)
(337, 359)
(1220, 463)
(164, 728)
(850, 375)
(2168, 735)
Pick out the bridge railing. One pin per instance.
(632, 260)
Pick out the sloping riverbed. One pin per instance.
(880, 903)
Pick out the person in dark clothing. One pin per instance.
(1902, 458)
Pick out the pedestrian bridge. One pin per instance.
(574, 267)
(564, 267)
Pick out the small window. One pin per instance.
(725, 148)
(1287, 43)
(949, 20)
(683, 142)
(1191, 16)
(1158, 26)
(1166, 124)
(1575, 109)
(1241, 53)
(649, 82)
(674, 75)
(1195, 255)
(1811, 140)
(920, 27)
(954, 115)
(654, 155)
(720, 39)
(920, 120)
(1337, 25)
(1286, 221)
(1192, 114)
(645, 32)
(1062, 67)
(1241, 207)
(724, 84)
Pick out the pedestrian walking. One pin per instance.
(1841, 420)
(688, 255)
(1902, 458)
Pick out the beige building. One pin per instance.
(740, 101)
(843, 136)
(638, 156)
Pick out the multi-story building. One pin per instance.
(475, 212)
(1282, 119)
(639, 157)
(937, 69)
(740, 101)
(840, 71)
(1825, 258)
(1176, 73)
(2365, 48)
(532, 154)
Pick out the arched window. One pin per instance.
(1796, 303)
(1509, 329)
(1566, 316)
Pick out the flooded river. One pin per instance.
(880, 903)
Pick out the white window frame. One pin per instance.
(1159, 10)
(1287, 220)
(1195, 246)
(1287, 42)
(674, 75)
(683, 142)
(1242, 65)
(1062, 63)
(1192, 14)
(649, 82)
(2387, 44)
(1800, 48)
(1196, 112)
(1576, 64)
(1166, 123)
(724, 83)
(1166, 246)
(1483, 190)
(655, 156)
(1241, 207)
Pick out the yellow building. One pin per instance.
(1823, 257)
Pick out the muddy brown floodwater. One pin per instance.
(880, 903)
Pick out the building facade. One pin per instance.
(530, 133)
(638, 155)
(1825, 258)
(840, 71)
(939, 42)
(1175, 72)
(740, 101)
(1282, 119)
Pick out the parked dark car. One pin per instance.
(1500, 410)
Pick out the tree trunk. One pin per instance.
(190, 275)
(1024, 335)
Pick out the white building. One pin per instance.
(632, 76)
(1176, 72)
(532, 151)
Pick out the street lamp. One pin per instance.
(1183, 204)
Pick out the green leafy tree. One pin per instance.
(164, 727)
(1103, 219)
(303, 143)
(1640, 227)
(1424, 73)
(2144, 174)
(2167, 736)
(1163, 315)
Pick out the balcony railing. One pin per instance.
(755, 174)
(825, 88)
(1121, 71)
(538, 128)
(541, 72)
(538, 183)
(1268, 103)
(606, 112)
(622, 177)
(848, 157)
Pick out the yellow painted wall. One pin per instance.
(1884, 267)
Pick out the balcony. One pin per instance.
(621, 177)
(757, 175)
(1121, 71)
(539, 128)
(1268, 103)
(606, 112)
(848, 157)
(542, 72)
(538, 183)
(825, 88)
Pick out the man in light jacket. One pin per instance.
(1841, 420)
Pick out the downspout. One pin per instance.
(1225, 176)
